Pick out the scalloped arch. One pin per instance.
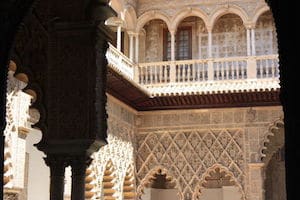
(182, 14)
(274, 132)
(213, 168)
(151, 173)
(30, 87)
(150, 15)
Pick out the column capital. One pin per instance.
(209, 29)
(79, 164)
(173, 31)
(250, 25)
(57, 164)
(131, 33)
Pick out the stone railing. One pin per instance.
(120, 62)
(188, 76)
(217, 69)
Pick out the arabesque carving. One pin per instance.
(188, 154)
(224, 178)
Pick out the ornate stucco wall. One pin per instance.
(119, 150)
(188, 143)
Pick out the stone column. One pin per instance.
(79, 165)
(248, 42)
(256, 181)
(172, 45)
(130, 46)
(199, 44)
(119, 38)
(209, 43)
(57, 165)
(253, 41)
(137, 47)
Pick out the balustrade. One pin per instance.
(267, 67)
(120, 62)
(253, 68)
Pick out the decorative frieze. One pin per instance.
(231, 117)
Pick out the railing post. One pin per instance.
(251, 67)
(135, 73)
(172, 72)
(210, 70)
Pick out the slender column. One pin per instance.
(119, 38)
(79, 165)
(210, 43)
(57, 165)
(172, 45)
(253, 41)
(130, 46)
(199, 45)
(248, 42)
(137, 48)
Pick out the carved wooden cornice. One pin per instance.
(131, 95)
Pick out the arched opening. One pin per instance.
(23, 163)
(151, 39)
(117, 26)
(158, 185)
(229, 37)
(218, 184)
(274, 159)
(265, 35)
(191, 39)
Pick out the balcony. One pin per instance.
(206, 76)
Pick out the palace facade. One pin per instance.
(192, 103)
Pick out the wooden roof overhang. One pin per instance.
(134, 96)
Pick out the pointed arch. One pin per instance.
(159, 170)
(273, 140)
(219, 12)
(207, 174)
(150, 15)
(259, 12)
(184, 13)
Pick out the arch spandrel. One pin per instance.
(258, 13)
(184, 13)
(219, 12)
(150, 15)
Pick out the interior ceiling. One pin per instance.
(133, 96)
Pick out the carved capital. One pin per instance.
(57, 164)
(79, 164)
